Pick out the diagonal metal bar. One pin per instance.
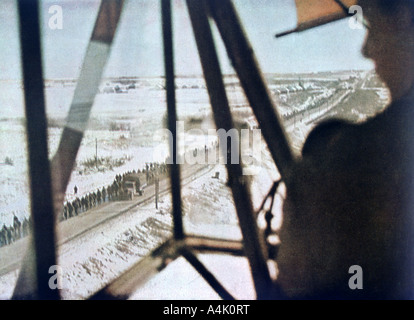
(86, 89)
(211, 245)
(172, 117)
(142, 271)
(206, 274)
(253, 244)
(87, 86)
(43, 239)
(246, 66)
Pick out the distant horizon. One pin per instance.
(200, 75)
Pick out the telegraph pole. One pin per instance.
(157, 188)
(96, 152)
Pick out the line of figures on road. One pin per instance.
(113, 192)
(19, 229)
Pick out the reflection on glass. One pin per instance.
(14, 184)
(111, 216)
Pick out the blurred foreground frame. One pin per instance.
(54, 176)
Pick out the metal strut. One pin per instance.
(43, 239)
(141, 272)
(180, 244)
(63, 161)
(175, 178)
(251, 79)
(253, 243)
(244, 62)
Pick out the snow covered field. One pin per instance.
(122, 128)
(96, 258)
(93, 259)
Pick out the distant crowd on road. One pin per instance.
(114, 192)
(19, 229)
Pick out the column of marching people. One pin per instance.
(113, 192)
(19, 229)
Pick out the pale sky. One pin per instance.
(137, 48)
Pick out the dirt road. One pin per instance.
(68, 230)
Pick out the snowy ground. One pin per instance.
(99, 256)
(95, 258)
(136, 117)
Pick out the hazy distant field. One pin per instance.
(122, 125)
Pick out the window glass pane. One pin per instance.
(14, 183)
(207, 201)
(110, 218)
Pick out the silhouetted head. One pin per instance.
(346, 207)
(390, 42)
